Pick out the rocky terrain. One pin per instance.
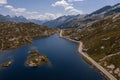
(101, 41)
(6, 64)
(58, 23)
(35, 59)
(14, 35)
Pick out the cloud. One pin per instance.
(3, 1)
(75, 0)
(60, 3)
(67, 7)
(72, 10)
(11, 8)
(32, 15)
(46, 16)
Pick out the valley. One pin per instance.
(76, 45)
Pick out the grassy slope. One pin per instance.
(101, 38)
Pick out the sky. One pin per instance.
(51, 9)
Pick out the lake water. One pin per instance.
(65, 63)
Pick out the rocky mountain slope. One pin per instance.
(95, 16)
(101, 39)
(14, 35)
(101, 10)
(58, 23)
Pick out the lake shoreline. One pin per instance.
(58, 61)
(102, 70)
(26, 43)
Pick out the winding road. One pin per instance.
(98, 66)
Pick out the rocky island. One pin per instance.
(6, 64)
(35, 59)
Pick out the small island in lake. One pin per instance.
(35, 59)
(6, 64)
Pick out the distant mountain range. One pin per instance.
(19, 19)
(62, 20)
(80, 20)
(70, 21)
(107, 10)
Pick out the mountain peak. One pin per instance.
(21, 17)
(118, 4)
(101, 10)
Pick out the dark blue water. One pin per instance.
(65, 62)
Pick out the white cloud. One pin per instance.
(75, 0)
(3, 1)
(67, 7)
(72, 10)
(46, 16)
(60, 3)
(19, 10)
(32, 15)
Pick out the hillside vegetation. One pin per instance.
(14, 35)
(101, 39)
